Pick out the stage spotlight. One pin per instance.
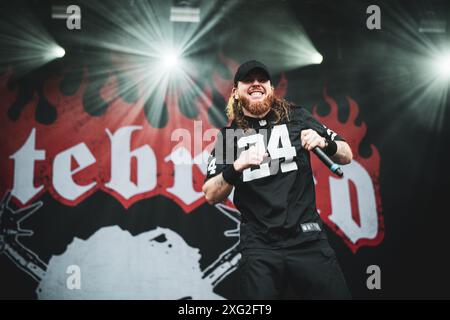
(316, 58)
(57, 52)
(171, 60)
(442, 65)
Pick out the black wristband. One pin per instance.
(330, 148)
(230, 175)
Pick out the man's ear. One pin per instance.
(234, 93)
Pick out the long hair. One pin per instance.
(235, 112)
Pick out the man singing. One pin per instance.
(264, 155)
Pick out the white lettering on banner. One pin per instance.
(183, 186)
(63, 175)
(201, 161)
(183, 165)
(24, 158)
(121, 164)
(341, 203)
(64, 185)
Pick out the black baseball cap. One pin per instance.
(248, 66)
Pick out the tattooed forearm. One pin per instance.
(216, 189)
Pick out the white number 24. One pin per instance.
(287, 152)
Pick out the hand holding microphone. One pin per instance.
(312, 141)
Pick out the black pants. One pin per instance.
(306, 271)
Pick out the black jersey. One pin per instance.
(277, 198)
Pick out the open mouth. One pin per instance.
(256, 93)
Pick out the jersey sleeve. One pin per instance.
(217, 158)
(309, 122)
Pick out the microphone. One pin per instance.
(328, 162)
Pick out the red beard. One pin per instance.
(257, 108)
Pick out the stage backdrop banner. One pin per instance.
(102, 191)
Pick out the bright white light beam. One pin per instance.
(57, 52)
(171, 61)
(442, 65)
(316, 58)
